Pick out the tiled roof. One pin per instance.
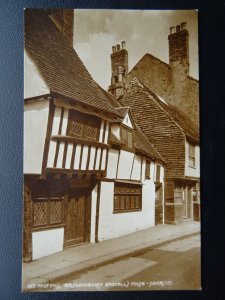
(142, 144)
(59, 64)
(173, 112)
(114, 141)
(163, 125)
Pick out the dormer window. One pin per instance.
(191, 155)
(83, 126)
(127, 137)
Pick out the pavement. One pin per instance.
(77, 259)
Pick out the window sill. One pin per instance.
(46, 227)
(127, 211)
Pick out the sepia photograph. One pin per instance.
(111, 150)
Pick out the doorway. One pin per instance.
(77, 229)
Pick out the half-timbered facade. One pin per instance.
(89, 172)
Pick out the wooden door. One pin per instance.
(76, 220)
(189, 202)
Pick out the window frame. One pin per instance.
(127, 197)
(49, 224)
(128, 131)
(87, 122)
(148, 169)
(191, 155)
(158, 174)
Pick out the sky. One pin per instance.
(145, 31)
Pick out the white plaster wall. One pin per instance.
(92, 158)
(56, 120)
(112, 163)
(84, 158)
(101, 132)
(136, 171)
(106, 133)
(103, 159)
(60, 155)
(35, 126)
(115, 129)
(119, 224)
(189, 171)
(93, 213)
(47, 242)
(125, 164)
(34, 84)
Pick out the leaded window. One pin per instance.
(127, 197)
(84, 126)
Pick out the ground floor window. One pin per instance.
(47, 204)
(127, 197)
(48, 212)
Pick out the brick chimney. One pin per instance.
(64, 21)
(119, 68)
(179, 51)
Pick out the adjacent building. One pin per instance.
(164, 102)
(171, 81)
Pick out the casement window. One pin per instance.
(178, 194)
(147, 169)
(127, 137)
(83, 126)
(158, 170)
(191, 155)
(127, 197)
(47, 206)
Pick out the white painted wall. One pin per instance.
(34, 84)
(112, 163)
(125, 164)
(115, 129)
(115, 225)
(35, 127)
(47, 242)
(136, 171)
(189, 171)
(93, 213)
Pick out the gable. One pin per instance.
(34, 84)
(127, 121)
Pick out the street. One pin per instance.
(171, 266)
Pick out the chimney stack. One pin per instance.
(119, 64)
(123, 45)
(179, 50)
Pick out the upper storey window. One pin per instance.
(127, 137)
(191, 155)
(83, 126)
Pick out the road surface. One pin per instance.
(171, 266)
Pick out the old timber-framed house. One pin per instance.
(89, 172)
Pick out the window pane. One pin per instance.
(40, 213)
(55, 212)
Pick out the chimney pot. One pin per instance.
(113, 49)
(172, 30)
(178, 28)
(118, 47)
(123, 45)
(183, 25)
